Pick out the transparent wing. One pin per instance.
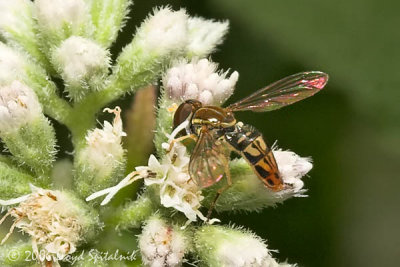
(208, 160)
(283, 92)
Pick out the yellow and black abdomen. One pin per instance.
(249, 142)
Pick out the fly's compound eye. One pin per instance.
(185, 110)
(182, 113)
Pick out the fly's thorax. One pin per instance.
(213, 117)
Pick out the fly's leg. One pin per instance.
(180, 139)
(220, 191)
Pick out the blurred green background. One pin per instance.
(351, 129)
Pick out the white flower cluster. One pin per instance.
(82, 62)
(54, 225)
(11, 64)
(199, 80)
(18, 106)
(161, 244)
(292, 167)
(80, 56)
(168, 30)
(204, 35)
(54, 14)
(104, 145)
(177, 189)
(165, 30)
(14, 14)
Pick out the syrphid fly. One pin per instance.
(217, 132)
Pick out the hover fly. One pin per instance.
(218, 133)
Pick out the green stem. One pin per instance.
(79, 121)
(82, 116)
(46, 92)
(133, 214)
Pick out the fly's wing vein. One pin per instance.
(208, 160)
(283, 92)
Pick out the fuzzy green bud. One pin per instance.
(108, 17)
(83, 65)
(15, 65)
(134, 213)
(27, 134)
(204, 36)
(14, 182)
(219, 246)
(17, 26)
(160, 38)
(11, 64)
(59, 19)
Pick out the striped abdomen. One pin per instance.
(249, 142)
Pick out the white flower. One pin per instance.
(205, 35)
(161, 244)
(104, 146)
(54, 14)
(81, 61)
(199, 80)
(177, 190)
(52, 219)
(163, 31)
(11, 65)
(226, 247)
(15, 16)
(292, 168)
(18, 106)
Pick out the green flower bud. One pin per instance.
(134, 213)
(83, 65)
(204, 36)
(13, 181)
(27, 134)
(15, 65)
(161, 37)
(17, 26)
(108, 17)
(59, 19)
(218, 246)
